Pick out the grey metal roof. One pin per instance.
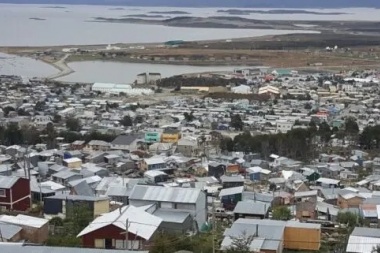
(263, 197)
(366, 232)
(83, 189)
(20, 248)
(77, 197)
(252, 207)
(7, 182)
(65, 174)
(118, 191)
(225, 178)
(9, 230)
(165, 194)
(271, 231)
(172, 216)
(125, 139)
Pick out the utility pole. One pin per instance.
(213, 226)
(126, 234)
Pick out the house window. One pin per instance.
(132, 244)
(2, 193)
(99, 243)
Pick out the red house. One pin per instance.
(14, 193)
(108, 231)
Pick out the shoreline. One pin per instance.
(61, 65)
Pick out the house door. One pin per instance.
(108, 243)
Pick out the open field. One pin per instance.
(297, 51)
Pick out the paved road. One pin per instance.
(63, 68)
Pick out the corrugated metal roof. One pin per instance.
(360, 244)
(297, 224)
(172, 216)
(7, 182)
(77, 197)
(271, 231)
(225, 178)
(118, 191)
(231, 191)
(366, 232)
(24, 220)
(9, 230)
(20, 248)
(141, 223)
(306, 194)
(165, 194)
(252, 207)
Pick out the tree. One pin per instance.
(189, 116)
(241, 244)
(376, 249)
(56, 221)
(126, 121)
(40, 106)
(79, 215)
(57, 118)
(139, 119)
(281, 213)
(163, 243)
(236, 122)
(22, 112)
(50, 134)
(348, 218)
(226, 144)
(351, 126)
(7, 110)
(13, 135)
(324, 132)
(308, 106)
(214, 125)
(30, 135)
(73, 124)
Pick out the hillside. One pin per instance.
(216, 3)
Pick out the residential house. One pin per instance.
(349, 200)
(251, 209)
(10, 233)
(155, 176)
(258, 174)
(22, 248)
(170, 135)
(188, 200)
(62, 204)
(63, 177)
(328, 182)
(153, 163)
(232, 181)
(96, 145)
(14, 193)
(274, 236)
(152, 137)
(231, 196)
(34, 230)
(78, 145)
(174, 221)
(126, 142)
(216, 169)
(363, 240)
(72, 163)
(188, 148)
(306, 203)
(108, 230)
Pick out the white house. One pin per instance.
(189, 200)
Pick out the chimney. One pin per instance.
(257, 230)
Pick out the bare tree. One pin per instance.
(241, 244)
